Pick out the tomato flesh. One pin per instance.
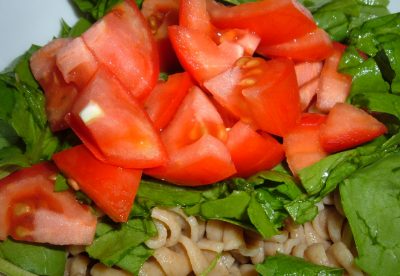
(307, 71)
(112, 188)
(252, 152)
(59, 94)
(32, 211)
(113, 125)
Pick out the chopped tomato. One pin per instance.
(160, 14)
(252, 152)
(334, 87)
(32, 211)
(112, 188)
(307, 93)
(307, 71)
(348, 126)
(122, 42)
(248, 40)
(273, 21)
(114, 126)
(166, 98)
(200, 55)
(313, 46)
(205, 161)
(272, 95)
(59, 94)
(227, 117)
(193, 15)
(302, 145)
(195, 118)
(76, 63)
(195, 140)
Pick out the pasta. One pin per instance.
(221, 248)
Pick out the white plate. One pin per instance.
(26, 22)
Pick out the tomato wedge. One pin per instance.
(59, 94)
(166, 98)
(302, 144)
(193, 15)
(122, 42)
(313, 46)
(347, 127)
(160, 15)
(252, 152)
(113, 125)
(307, 71)
(307, 93)
(112, 188)
(273, 21)
(32, 211)
(334, 87)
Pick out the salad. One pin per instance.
(208, 138)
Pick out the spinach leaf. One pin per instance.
(38, 259)
(79, 28)
(134, 260)
(61, 184)
(10, 269)
(289, 265)
(96, 9)
(371, 202)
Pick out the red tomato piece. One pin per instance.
(193, 15)
(253, 152)
(227, 117)
(112, 188)
(334, 87)
(307, 93)
(76, 63)
(166, 98)
(307, 71)
(160, 14)
(248, 40)
(59, 94)
(313, 46)
(271, 93)
(200, 55)
(113, 125)
(32, 211)
(205, 161)
(195, 118)
(302, 145)
(122, 42)
(348, 126)
(273, 21)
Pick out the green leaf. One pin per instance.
(79, 28)
(38, 259)
(288, 265)
(61, 184)
(10, 269)
(371, 201)
(259, 218)
(96, 8)
(134, 260)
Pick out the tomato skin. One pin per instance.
(59, 94)
(302, 144)
(347, 127)
(112, 188)
(160, 15)
(313, 46)
(200, 55)
(193, 15)
(32, 211)
(203, 162)
(274, 100)
(273, 21)
(166, 97)
(334, 87)
(122, 42)
(114, 126)
(252, 152)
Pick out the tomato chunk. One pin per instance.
(334, 87)
(248, 40)
(122, 42)
(273, 21)
(76, 63)
(113, 125)
(160, 15)
(32, 211)
(59, 94)
(166, 98)
(313, 46)
(307, 71)
(112, 188)
(193, 15)
(348, 126)
(253, 152)
(200, 55)
(307, 93)
(272, 95)
(302, 145)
